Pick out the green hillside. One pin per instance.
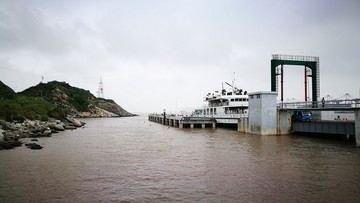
(61, 93)
(56, 100)
(6, 92)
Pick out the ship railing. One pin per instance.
(228, 115)
(232, 115)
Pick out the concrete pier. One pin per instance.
(283, 123)
(183, 121)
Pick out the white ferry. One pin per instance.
(225, 106)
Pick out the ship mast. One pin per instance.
(233, 83)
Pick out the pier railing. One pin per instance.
(347, 104)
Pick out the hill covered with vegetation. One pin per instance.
(56, 100)
(6, 92)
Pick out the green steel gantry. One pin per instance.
(307, 61)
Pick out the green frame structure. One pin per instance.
(307, 61)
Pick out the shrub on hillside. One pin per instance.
(24, 107)
(58, 113)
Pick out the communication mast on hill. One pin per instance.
(100, 92)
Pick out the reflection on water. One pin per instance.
(133, 160)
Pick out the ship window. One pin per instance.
(232, 100)
(258, 96)
(214, 111)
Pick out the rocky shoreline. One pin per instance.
(11, 132)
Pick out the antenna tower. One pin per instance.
(100, 92)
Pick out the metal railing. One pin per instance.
(295, 58)
(331, 104)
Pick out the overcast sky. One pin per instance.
(156, 54)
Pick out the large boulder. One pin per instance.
(1, 134)
(10, 140)
(76, 123)
(59, 127)
(30, 124)
(70, 127)
(9, 144)
(50, 125)
(33, 146)
(5, 125)
(46, 133)
(42, 131)
(11, 135)
(55, 126)
(73, 121)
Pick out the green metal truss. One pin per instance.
(309, 62)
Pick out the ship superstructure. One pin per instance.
(225, 106)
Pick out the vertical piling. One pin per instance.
(357, 126)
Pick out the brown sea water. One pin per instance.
(134, 160)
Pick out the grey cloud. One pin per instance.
(171, 35)
(193, 45)
(24, 28)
